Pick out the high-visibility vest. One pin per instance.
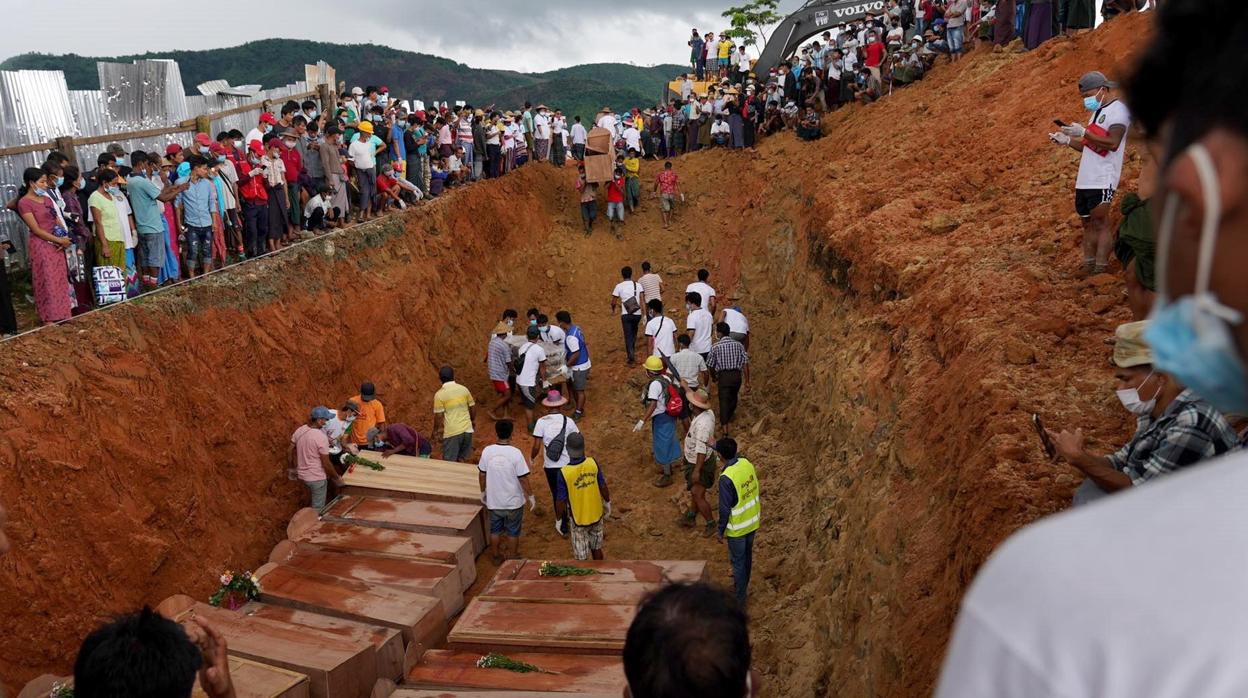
(744, 517)
(575, 331)
(584, 497)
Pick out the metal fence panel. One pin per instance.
(37, 107)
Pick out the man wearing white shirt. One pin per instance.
(606, 119)
(551, 426)
(700, 325)
(738, 324)
(532, 371)
(703, 289)
(504, 479)
(541, 134)
(578, 139)
(661, 330)
(721, 133)
(632, 137)
(625, 294)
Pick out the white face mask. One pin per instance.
(1130, 399)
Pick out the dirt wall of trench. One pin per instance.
(141, 449)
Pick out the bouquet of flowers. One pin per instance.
(353, 460)
(551, 569)
(60, 690)
(494, 660)
(236, 590)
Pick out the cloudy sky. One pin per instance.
(515, 35)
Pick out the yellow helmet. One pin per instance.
(654, 363)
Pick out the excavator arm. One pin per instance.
(812, 19)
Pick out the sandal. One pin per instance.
(578, 414)
(688, 519)
(664, 481)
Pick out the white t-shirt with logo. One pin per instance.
(663, 329)
(533, 355)
(703, 289)
(701, 322)
(549, 427)
(1095, 171)
(628, 289)
(503, 466)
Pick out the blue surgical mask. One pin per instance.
(60, 182)
(1191, 337)
(114, 191)
(203, 149)
(1091, 103)
(268, 127)
(220, 158)
(40, 191)
(121, 160)
(312, 114)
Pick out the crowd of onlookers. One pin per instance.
(148, 219)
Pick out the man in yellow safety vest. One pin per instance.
(582, 488)
(738, 513)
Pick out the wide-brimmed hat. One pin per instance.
(1130, 349)
(698, 400)
(554, 398)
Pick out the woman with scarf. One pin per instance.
(54, 297)
(75, 220)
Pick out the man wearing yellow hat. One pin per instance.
(363, 153)
(658, 399)
(1175, 428)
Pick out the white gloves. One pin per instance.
(606, 509)
(532, 503)
(559, 526)
(641, 424)
(1075, 131)
(1059, 138)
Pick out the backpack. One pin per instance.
(519, 360)
(554, 449)
(675, 405)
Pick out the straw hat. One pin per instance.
(502, 328)
(1130, 349)
(698, 399)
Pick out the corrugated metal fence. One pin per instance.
(36, 107)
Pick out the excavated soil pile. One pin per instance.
(911, 285)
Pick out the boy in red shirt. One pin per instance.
(874, 54)
(615, 200)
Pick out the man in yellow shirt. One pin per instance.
(725, 50)
(369, 421)
(454, 412)
(632, 180)
(581, 493)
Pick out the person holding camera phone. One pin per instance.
(1175, 428)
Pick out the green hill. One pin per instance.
(274, 62)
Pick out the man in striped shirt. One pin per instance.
(501, 370)
(730, 369)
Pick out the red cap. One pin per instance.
(384, 89)
(217, 148)
(256, 148)
(420, 114)
(173, 149)
(268, 118)
(203, 139)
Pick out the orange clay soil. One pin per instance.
(911, 287)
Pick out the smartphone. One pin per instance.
(1060, 123)
(1045, 441)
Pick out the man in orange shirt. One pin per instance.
(371, 419)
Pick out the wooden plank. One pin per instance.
(133, 135)
(251, 680)
(443, 518)
(488, 625)
(651, 571)
(418, 617)
(406, 477)
(336, 666)
(561, 590)
(442, 582)
(388, 642)
(18, 150)
(426, 547)
(448, 669)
